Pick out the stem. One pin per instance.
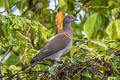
(6, 53)
(88, 40)
(0, 76)
(8, 7)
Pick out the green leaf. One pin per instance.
(97, 45)
(111, 2)
(12, 60)
(52, 69)
(73, 50)
(116, 13)
(63, 5)
(92, 25)
(10, 2)
(73, 60)
(96, 6)
(113, 30)
(5, 30)
(13, 67)
(86, 74)
(112, 78)
(2, 3)
(43, 67)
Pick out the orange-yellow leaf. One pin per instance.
(59, 20)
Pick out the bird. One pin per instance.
(59, 45)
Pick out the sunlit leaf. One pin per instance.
(73, 50)
(43, 67)
(73, 60)
(86, 74)
(63, 5)
(12, 60)
(13, 67)
(5, 30)
(2, 3)
(53, 68)
(112, 78)
(116, 13)
(97, 45)
(111, 2)
(92, 25)
(113, 29)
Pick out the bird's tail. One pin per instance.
(35, 59)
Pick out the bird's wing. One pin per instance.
(56, 44)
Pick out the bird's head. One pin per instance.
(69, 18)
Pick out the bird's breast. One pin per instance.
(56, 56)
(68, 48)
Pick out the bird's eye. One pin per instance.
(70, 17)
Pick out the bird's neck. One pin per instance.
(67, 28)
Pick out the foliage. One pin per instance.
(95, 54)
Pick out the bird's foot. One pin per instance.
(59, 62)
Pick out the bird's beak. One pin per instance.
(75, 19)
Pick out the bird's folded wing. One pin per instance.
(58, 43)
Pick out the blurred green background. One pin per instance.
(26, 26)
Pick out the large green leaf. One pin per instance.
(92, 25)
(7, 3)
(116, 13)
(12, 60)
(63, 5)
(113, 30)
(96, 5)
(2, 3)
(97, 45)
(73, 50)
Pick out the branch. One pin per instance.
(0, 76)
(30, 2)
(89, 40)
(8, 7)
(6, 53)
(31, 7)
(12, 76)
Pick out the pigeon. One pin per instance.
(59, 45)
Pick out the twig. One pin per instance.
(97, 7)
(28, 71)
(32, 66)
(88, 40)
(114, 67)
(8, 7)
(81, 69)
(0, 76)
(6, 53)
(10, 77)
